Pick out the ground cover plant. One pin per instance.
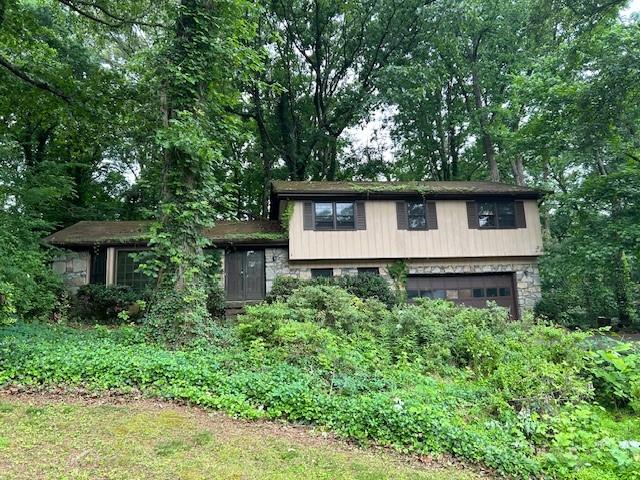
(429, 378)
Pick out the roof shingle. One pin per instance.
(449, 188)
(136, 232)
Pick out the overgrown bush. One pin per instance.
(616, 375)
(25, 267)
(364, 286)
(7, 307)
(216, 299)
(108, 304)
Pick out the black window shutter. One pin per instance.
(472, 215)
(432, 217)
(307, 216)
(401, 214)
(361, 216)
(521, 220)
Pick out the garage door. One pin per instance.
(469, 290)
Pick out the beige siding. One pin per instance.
(382, 239)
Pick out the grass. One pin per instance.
(57, 438)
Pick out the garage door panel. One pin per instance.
(470, 290)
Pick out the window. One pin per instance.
(335, 215)
(345, 215)
(127, 271)
(98, 269)
(500, 214)
(416, 216)
(368, 271)
(505, 292)
(324, 216)
(321, 272)
(411, 294)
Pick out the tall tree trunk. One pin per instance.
(332, 158)
(518, 170)
(623, 290)
(483, 120)
(265, 152)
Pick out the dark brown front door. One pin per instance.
(469, 290)
(244, 275)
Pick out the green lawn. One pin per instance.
(72, 439)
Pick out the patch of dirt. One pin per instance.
(226, 425)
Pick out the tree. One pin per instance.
(197, 91)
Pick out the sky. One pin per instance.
(634, 6)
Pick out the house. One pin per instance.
(468, 242)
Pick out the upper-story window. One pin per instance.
(334, 215)
(498, 214)
(416, 215)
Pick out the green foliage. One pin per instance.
(398, 272)
(178, 317)
(616, 375)
(7, 307)
(366, 286)
(25, 270)
(511, 399)
(583, 445)
(216, 299)
(108, 304)
(199, 67)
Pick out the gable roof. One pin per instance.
(306, 189)
(224, 232)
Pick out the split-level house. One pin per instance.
(468, 242)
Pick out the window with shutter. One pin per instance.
(332, 216)
(495, 214)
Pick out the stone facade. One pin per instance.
(74, 268)
(276, 263)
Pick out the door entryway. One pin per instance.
(244, 275)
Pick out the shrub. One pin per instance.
(24, 264)
(216, 300)
(366, 286)
(615, 373)
(283, 286)
(7, 306)
(108, 304)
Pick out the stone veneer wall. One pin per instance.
(74, 268)
(527, 275)
(276, 263)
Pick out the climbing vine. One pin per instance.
(199, 67)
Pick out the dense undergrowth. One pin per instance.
(527, 399)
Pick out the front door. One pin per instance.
(244, 275)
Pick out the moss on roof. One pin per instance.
(132, 232)
(414, 187)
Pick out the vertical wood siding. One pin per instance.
(383, 239)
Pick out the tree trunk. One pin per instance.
(623, 290)
(332, 158)
(518, 170)
(483, 120)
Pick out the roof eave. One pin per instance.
(300, 195)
